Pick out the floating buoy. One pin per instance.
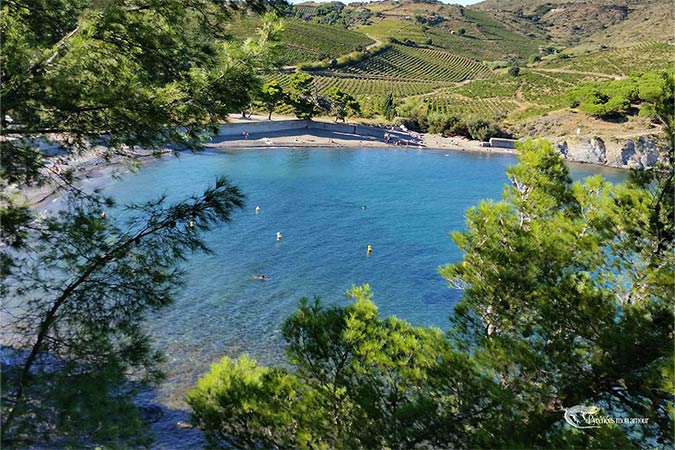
(369, 250)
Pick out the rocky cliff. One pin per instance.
(638, 152)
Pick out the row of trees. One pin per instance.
(612, 99)
(567, 301)
(305, 101)
(108, 76)
(419, 117)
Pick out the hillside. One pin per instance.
(306, 41)
(613, 23)
(440, 59)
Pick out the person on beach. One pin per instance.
(245, 134)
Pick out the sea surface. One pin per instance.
(413, 199)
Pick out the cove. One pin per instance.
(314, 197)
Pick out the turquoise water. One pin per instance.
(313, 197)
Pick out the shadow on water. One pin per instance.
(169, 427)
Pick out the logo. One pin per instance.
(583, 417)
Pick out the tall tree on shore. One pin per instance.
(111, 76)
(271, 95)
(388, 107)
(342, 104)
(301, 96)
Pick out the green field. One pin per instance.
(306, 41)
(622, 61)
(458, 105)
(402, 62)
(367, 87)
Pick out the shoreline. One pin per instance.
(93, 171)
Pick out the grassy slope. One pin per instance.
(438, 80)
(403, 62)
(614, 23)
(539, 89)
(306, 41)
(485, 39)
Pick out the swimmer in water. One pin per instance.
(278, 235)
(261, 277)
(369, 250)
(257, 209)
(364, 207)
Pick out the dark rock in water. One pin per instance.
(184, 425)
(151, 413)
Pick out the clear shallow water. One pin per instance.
(313, 197)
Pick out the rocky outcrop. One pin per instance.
(633, 153)
(591, 150)
(639, 153)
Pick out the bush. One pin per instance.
(534, 58)
(514, 71)
(483, 129)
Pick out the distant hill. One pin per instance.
(613, 23)
(509, 61)
(305, 41)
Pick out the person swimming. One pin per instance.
(278, 235)
(257, 209)
(364, 207)
(261, 277)
(369, 250)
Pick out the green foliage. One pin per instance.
(80, 297)
(342, 104)
(567, 300)
(482, 129)
(302, 41)
(301, 97)
(79, 284)
(388, 107)
(548, 290)
(359, 382)
(534, 58)
(514, 71)
(614, 98)
(271, 95)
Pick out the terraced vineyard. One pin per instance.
(622, 61)
(530, 93)
(306, 41)
(453, 104)
(402, 62)
(366, 87)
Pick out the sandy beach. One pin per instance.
(322, 138)
(92, 170)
